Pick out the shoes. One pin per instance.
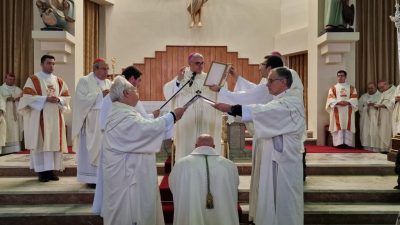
(92, 186)
(43, 177)
(47, 176)
(52, 176)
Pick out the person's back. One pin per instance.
(189, 185)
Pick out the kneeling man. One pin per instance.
(205, 187)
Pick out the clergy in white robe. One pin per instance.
(279, 128)
(200, 117)
(367, 112)
(341, 105)
(86, 132)
(134, 76)
(3, 126)
(204, 186)
(130, 193)
(396, 111)
(11, 95)
(45, 99)
(383, 131)
(250, 93)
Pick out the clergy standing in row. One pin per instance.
(368, 114)
(396, 111)
(11, 95)
(130, 193)
(279, 127)
(383, 122)
(205, 187)
(3, 126)
(341, 105)
(86, 132)
(45, 99)
(200, 117)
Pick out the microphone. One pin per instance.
(192, 79)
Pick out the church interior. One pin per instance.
(351, 185)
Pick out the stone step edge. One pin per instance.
(85, 209)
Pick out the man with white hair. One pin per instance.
(86, 133)
(129, 191)
(200, 117)
(199, 204)
(134, 76)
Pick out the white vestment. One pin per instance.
(366, 114)
(86, 132)
(12, 118)
(3, 126)
(279, 130)
(199, 118)
(188, 184)
(106, 110)
(249, 93)
(341, 118)
(128, 190)
(44, 126)
(383, 122)
(396, 112)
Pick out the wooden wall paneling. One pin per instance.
(164, 71)
(175, 63)
(156, 78)
(145, 86)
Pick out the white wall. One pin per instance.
(136, 29)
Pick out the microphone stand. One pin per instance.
(190, 82)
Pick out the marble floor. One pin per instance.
(343, 159)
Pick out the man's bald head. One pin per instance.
(205, 140)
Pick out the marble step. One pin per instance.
(314, 213)
(27, 190)
(17, 165)
(343, 213)
(340, 189)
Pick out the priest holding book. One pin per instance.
(200, 117)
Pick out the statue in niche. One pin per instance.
(194, 9)
(56, 14)
(339, 16)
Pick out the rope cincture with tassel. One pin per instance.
(210, 199)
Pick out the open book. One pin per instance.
(196, 97)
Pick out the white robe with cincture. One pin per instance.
(128, 193)
(341, 118)
(199, 118)
(3, 126)
(366, 117)
(44, 125)
(188, 184)
(247, 93)
(13, 119)
(383, 122)
(279, 129)
(396, 112)
(86, 131)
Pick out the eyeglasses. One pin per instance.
(199, 63)
(270, 81)
(104, 68)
